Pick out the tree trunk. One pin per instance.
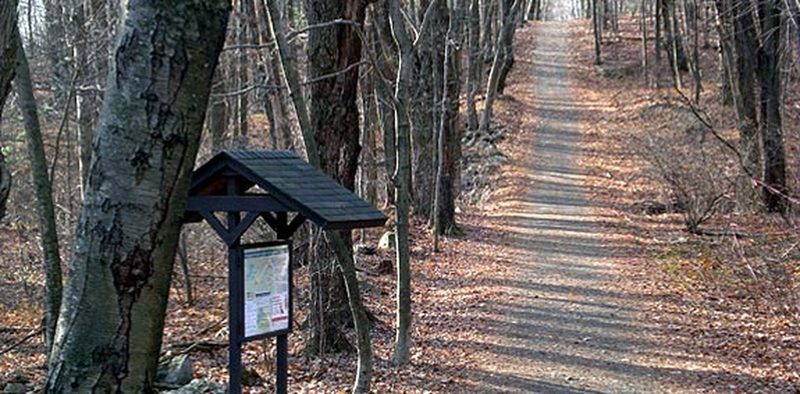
(44, 194)
(473, 63)
(643, 28)
(449, 130)
(344, 255)
(693, 16)
(334, 119)
(218, 115)
(506, 45)
(506, 32)
(292, 80)
(384, 49)
(596, 32)
(725, 31)
(8, 52)
(771, 123)
(657, 45)
(676, 57)
(423, 105)
(84, 101)
(405, 73)
(56, 45)
(745, 45)
(109, 333)
(242, 77)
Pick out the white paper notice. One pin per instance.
(266, 290)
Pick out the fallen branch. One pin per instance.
(723, 233)
(21, 341)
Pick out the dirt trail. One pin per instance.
(564, 323)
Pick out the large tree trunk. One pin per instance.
(771, 123)
(8, 53)
(334, 119)
(44, 194)
(109, 333)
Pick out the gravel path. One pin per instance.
(564, 323)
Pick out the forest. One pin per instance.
(576, 195)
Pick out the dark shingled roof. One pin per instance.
(291, 181)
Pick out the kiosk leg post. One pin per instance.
(235, 312)
(234, 325)
(282, 344)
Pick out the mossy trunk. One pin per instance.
(109, 332)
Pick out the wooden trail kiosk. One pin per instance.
(260, 275)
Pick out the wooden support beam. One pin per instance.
(247, 203)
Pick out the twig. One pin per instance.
(21, 341)
(334, 22)
(335, 73)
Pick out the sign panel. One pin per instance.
(267, 288)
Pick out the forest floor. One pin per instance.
(556, 285)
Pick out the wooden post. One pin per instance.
(234, 302)
(282, 341)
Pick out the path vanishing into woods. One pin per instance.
(564, 322)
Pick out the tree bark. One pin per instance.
(744, 45)
(8, 53)
(109, 332)
(44, 194)
(218, 115)
(771, 123)
(334, 119)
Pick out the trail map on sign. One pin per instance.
(266, 290)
